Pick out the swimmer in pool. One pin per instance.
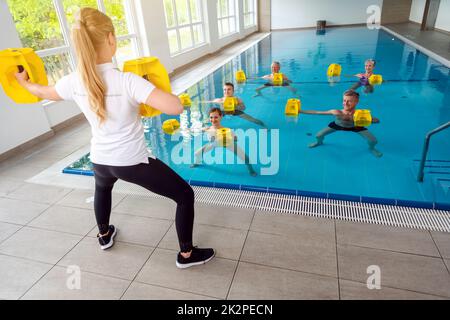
(228, 92)
(369, 65)
(276, 67)
(215, 116)
(344, 122)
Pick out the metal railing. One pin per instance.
(425, 149)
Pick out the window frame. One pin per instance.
(227, 17)
(68, 47)
(253, 13)
(190, 24)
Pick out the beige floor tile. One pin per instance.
(22, 172)
(442, 240)
(122, 260)
(138, 230)
(212, 279)
(39, 245)
(351, 290)
(39, 193)
(386, 237)
(60, 284)
(142, 291)
(7, 229)
(8, 185)
(227, 217)
(147, 207)
(292, 224)
(397, 270)
(18, 275)
(227, 243)
(296, 253)
(85, 199)
(66, 219)
(257, 282)
(19, 211)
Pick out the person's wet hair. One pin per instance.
(215, 109)
(351, 93)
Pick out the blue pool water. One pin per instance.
(415, 101)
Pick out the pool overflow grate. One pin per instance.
(397, 216)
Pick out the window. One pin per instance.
(184, 21)
(249, 13)
(226, 14)
(45, 25)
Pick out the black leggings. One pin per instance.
(155, 176)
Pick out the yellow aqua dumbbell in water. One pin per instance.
(293, 107)
(334, 70)
(240, 76)
(224, 137)
(170, 126)
(277, 79)
(11, 62)
(375, 79)
(151, 69)
(185, 100)
(229, 105)
(362, 118)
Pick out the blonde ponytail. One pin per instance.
(90, 31)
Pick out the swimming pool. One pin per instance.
(414, 101)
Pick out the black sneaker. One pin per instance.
(108, 240)
(198, 256)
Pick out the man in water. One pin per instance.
(228, 92)
(276, 67)
(344, 122)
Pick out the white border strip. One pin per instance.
(424, 50)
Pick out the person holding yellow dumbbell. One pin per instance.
(110, 101)
(345, 122)
(276, 78)
(369, 65)
(228, 140)
(238, 105)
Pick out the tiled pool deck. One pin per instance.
(44, 229)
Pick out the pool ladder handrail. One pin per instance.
(425, 149)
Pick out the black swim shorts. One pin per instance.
(335, 126)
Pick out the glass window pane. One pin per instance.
(182, 12)
(222, 8)
(232, 25)
(170, 13)
(198, 34)
(37, 23)
(246, 9)
(116, 11)
(195, 11)
(57, 66)
(71, 7)
(173, 41)
(185, 37)
(225, 27)
(220, 28)
(231, 11)
(126, 50)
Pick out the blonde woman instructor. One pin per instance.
(110, 101)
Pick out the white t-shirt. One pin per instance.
(119, 140)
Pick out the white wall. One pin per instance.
(417, 8)
(288, 14)
(18, 123)
(22, 123)
(443, 18)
